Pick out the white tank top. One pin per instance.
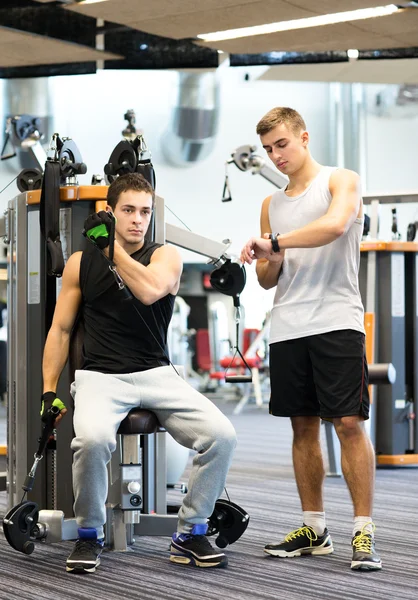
(318, 288)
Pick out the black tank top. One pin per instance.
(116, 338)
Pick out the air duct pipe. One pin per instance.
(194, 124)
(347, 127)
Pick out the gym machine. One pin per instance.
(388, 284)
(25, 132)
(139, 465)
(245, 159)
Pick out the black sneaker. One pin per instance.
(365, 557)
(85, 556)
(301, 541)
(195, 549)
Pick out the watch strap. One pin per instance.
(274, 242)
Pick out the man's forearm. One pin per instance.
(141, 281)
(268, 273)
(55, 356)
(321, 232)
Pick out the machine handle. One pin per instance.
(382, 373)
(238, 379)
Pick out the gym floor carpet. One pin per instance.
(260, 480)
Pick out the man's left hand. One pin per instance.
(259, 247)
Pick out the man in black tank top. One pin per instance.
(125, 365)
(309, 250)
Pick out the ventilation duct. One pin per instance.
(194, 123)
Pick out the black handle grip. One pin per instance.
(53, 413)
(238, 379)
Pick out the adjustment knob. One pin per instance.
(135, 500)
(134, 487)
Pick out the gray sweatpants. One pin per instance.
(102, 401)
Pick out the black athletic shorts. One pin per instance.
(322, 375)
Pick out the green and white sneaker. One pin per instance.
(365, 557)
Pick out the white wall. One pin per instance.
(391, 154)
(90, 110)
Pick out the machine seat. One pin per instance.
(139, 421)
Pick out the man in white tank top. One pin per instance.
(310, 249)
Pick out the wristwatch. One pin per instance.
(274, 242)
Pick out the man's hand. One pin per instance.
(49, 399)
(98, 226)
(260, 247)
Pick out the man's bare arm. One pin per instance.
(159, 278)
(345, 206)
(58, 340)
(268, 271)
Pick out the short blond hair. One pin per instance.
(277, 116)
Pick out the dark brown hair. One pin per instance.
(277, 116)
(124, 183)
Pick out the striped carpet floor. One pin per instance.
(260, 480)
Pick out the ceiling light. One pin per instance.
(352, 53)
(89, 1)
(341, 17)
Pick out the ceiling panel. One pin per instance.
(18, 48)
(182, 18)
(333, 6)
(361, 71)
(409, 40)
(128, 11)
(405, 21)
(205, 21)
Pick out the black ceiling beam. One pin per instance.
(390, 53)
(286, 58)
(145, 51)
(84, 68)
(300, 58)
(19, 4)
(51, 21)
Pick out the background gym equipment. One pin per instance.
(228, 521)
(230, 279)
(20, 525)
(29, 179)
(245, 159)
(131, 155)
(411, 231)
(395, 233)
(388, 279)
(24, 132)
